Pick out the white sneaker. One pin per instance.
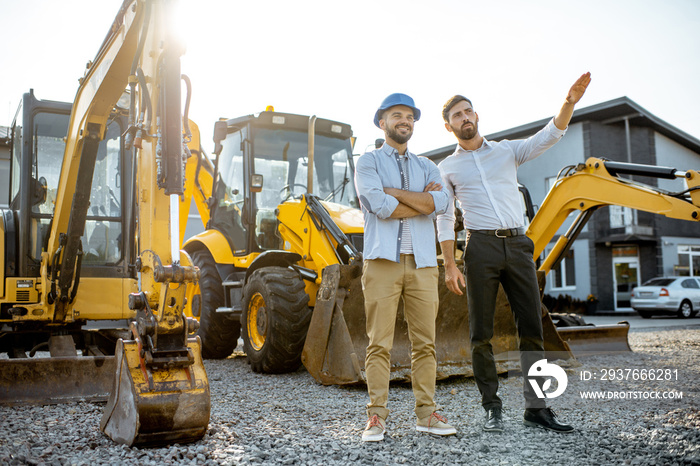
(374, 432)
(435, 424)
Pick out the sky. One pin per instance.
(338, 60)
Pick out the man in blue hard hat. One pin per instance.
(400, 195)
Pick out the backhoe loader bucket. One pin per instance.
(335, 348)
(599, 339)
(151, 407)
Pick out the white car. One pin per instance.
(667, 295)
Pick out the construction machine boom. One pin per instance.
(585, 188)
(93, 244)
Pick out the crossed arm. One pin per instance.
(413, 203)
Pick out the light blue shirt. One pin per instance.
(485, 182)
(379, 169)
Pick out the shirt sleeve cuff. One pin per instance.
(390, 205)
(445, 229)
(552, 128)
(439, 201)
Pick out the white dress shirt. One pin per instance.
(485, 182)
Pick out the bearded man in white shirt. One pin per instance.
(482, 176)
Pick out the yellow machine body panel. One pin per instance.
(348, 219)
(317, 248)
(100, 299)
(217, 244)
(21, 290)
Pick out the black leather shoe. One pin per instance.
(494, 420)
(546, 419)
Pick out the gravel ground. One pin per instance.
(290, 419)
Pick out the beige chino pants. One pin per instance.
(384, 283)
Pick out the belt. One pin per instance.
(502, 233)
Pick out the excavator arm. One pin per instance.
(95, 100)
(596, 183)
(161, 392)
(585, 188)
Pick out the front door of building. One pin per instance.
(625, 274)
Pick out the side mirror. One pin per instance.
(39, 190)
(220, 131)
(256, 183)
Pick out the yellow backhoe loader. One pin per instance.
(87, 243)
(281, 254)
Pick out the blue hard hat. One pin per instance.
(393, 100)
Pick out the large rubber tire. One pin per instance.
(219, 333)
(685, 310)
(275, 320)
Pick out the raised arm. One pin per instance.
(563, 118)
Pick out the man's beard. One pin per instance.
(394, 135)
(466, 133)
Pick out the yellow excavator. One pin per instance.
(90, 241)
(281, 253)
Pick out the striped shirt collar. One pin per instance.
(386, 149)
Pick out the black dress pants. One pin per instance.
(490, 260)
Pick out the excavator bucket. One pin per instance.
(334, 352)
(584, 340)
(152, 407)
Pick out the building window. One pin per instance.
(563, 276)
(688, 261)
(620, 216)
(549, 183)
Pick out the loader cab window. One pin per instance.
(288, 152)
(230, 192)
(281, 156)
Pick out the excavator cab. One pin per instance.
(38, 143)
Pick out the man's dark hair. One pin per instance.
(454, 100)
